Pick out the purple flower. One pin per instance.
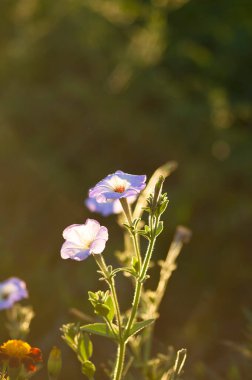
(11, 291)
(104, 209)
(83, 239)
(116, 186)
(108, 208)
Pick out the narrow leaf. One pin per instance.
(99, 329)
(85, 347)
(138, 326)
(110, 304)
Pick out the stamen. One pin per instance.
(119, 189)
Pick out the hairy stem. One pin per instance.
(181, 237)
(116, 305)
(119, 361)
(110, 326)
(127, 212)
(121, 343)
(140, 279)
(103, 267)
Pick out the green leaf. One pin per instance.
(70, 331)
(135, 222)
(78, 340)
(138, 326)
(147, 229)
(128, 227)
(159, 228)
(102, 310)
(92, 298)
(144, 234)
(163, 206)
(85, 347)
(110, 304)
(99, 329)
(135, 264)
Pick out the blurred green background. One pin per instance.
(92, 86)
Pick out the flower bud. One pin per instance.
(183, 234)
(54, 363)
(157, 192)
(101, 309)
(88, 369)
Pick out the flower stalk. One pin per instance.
(111, 283)
(182, 236)
(141, 278)
(90, 239)
(121, 342)
(119, 361)
(127, 211)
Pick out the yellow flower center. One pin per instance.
(16, 348)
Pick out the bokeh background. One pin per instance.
(92, 86)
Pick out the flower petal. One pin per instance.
(73, 233)
(79, 234)
(92, 229)
(116, 186)
(82, 255)
(74, 252)
(83, 240)
(11, 291)
(104, 209)
(99, 243)
(98, 246)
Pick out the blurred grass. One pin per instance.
(91, 87)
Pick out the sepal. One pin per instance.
(102, 304)
(159, 228)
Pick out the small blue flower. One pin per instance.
(105, 209)
(83, 239)
(11, 291)
(116, 186)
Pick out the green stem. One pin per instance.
(116, 305)
(119, 361)
(128, 214)
(126, 209)
(110, 326)
(135, 304)
(147, 258)
(103, 267)
(140, 280)
(121, 344)
(136, 248)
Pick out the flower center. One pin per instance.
(118, 185)
(16, 348)
(87, 244)
(119, 189)
(6, 291)
(4, 296)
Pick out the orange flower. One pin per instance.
(17, 352)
